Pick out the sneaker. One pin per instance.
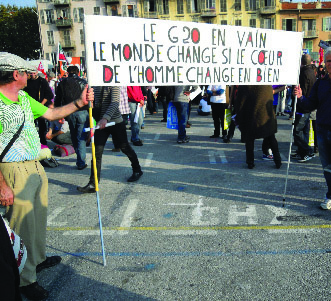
(185, 140)
(268, 157)
(326, 205)
(305, 158)
(250, 165)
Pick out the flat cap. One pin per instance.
(11, 62)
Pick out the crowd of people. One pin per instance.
(34, 111)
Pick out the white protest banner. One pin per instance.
(139, 52)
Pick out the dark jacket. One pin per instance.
(307, 79)
(39, 89)
(255, 113)
(320, 99)
(70, 89)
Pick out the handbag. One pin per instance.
(17, 243)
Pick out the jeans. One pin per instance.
(182, 115)
(135, 127)
(324, 147)
(118, 132)
(77, 122)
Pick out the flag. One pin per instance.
(61, 55)
(321, 52)
(41, 69)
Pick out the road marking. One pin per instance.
(278, 211)
(127, 218)
(190, 228)
(53, 216)
(249, 213)
(212, 156)
(148, 160)
(156, 137)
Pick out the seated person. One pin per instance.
(59, 132)
(204, 107)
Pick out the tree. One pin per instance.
(19, 31)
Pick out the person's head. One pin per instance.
(50, 75)
(73, 70)
(305, 60)
(14, 68)
(327, 59)
(33, 75)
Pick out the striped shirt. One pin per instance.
(27, 145)
(108, 99)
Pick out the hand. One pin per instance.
(49, 136)
(86, 97)
(141, 102)
(187, 93)
(102, 123)
(297, 91)
(6, 195)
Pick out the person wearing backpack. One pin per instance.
(67, 91)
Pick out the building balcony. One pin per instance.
(111, 1)
(268, 10)
(151, 15)
(61, 2)
(208, 13)
(68, 45)
(63, 22)
(310, 34)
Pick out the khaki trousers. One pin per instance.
(28, 215)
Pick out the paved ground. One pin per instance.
(198, 225)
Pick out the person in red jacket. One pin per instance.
(136, 101)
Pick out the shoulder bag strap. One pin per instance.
(11, 142)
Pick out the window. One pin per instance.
(81, 33)
(223, 8)
(67, 40)
(50, 38)
(165, 6)
(237, 22)
(326, 24)
(210, 4)
(267, 23)
(237, 5)
(309, 46)
(192, 6)
(150, 6)
(224, 22)
(96, 10)
(251, 5)
(49, 14)
(268, 3)
(180, 7)
(63, 13)
(252, 23)
(79, 14)
(289, 24)
(129, 11)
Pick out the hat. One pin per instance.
(11, 62)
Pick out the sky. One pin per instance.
(19, 2)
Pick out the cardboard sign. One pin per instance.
(139, 52)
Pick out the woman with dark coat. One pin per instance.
(256, 119)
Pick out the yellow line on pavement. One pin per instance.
(190, 228)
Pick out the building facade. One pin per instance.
(61, 21)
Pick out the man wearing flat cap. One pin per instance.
(23, 181)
